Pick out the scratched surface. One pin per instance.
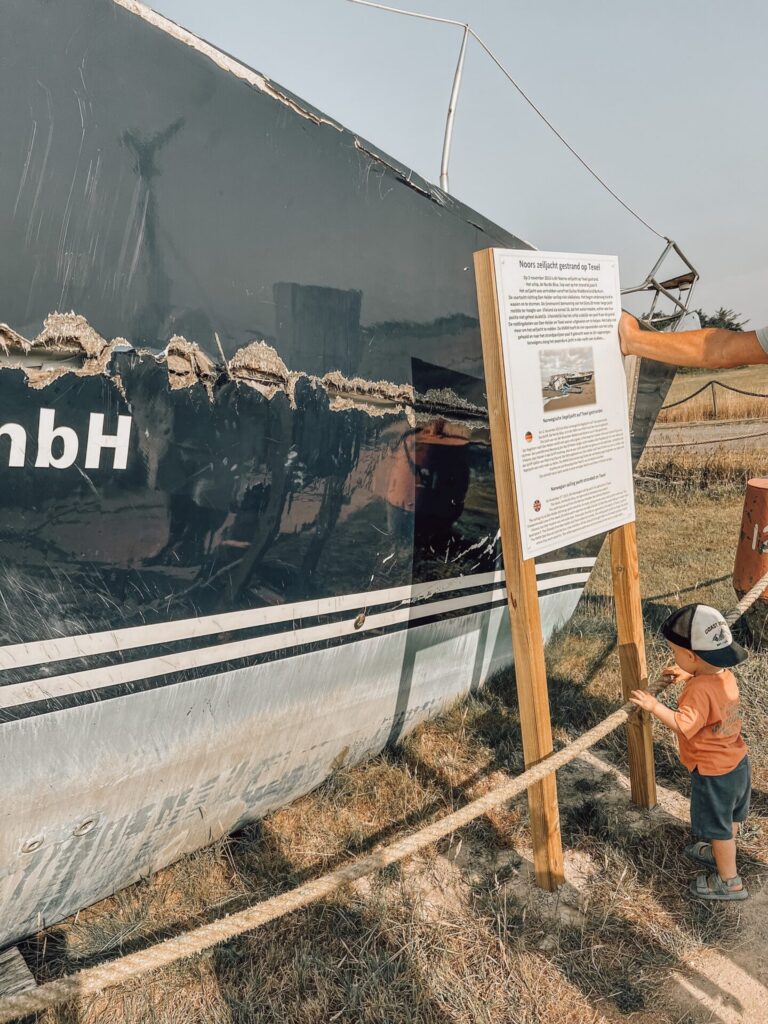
(157, 194)
(175, 768)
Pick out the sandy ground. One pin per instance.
(718, 986)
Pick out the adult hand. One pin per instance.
(628, 328)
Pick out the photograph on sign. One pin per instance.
(566, 389)
(567, 378)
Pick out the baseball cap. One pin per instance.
(703, 630)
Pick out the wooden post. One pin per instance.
(714, 401)
(634, 672)
(522, 594)
(15, 975)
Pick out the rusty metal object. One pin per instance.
(752, 557)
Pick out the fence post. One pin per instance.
(714, 399)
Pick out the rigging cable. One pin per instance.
(525, 96)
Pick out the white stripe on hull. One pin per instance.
(110, 641)
(147, 668)
(165, 771)
(563, 581)
(545, 568)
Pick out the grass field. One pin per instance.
(683, 470)
(748, 378)
(727, 404)
(460, 935)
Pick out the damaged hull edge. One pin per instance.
(257, 539)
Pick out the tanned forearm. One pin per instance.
(710, 348)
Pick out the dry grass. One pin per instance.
(693, 470)
(747, 378)
(459, 935)
(727, 405)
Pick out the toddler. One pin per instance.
(708, 727)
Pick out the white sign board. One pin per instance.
(567, 395)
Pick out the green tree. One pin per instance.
(725, 318)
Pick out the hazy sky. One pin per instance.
(666, 100)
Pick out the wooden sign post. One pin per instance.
(525, 617)
(634, 672)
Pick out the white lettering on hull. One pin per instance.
(58, 447)
(97, 440)
(46, 435)
(18, 436)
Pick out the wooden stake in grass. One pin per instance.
(522, 594)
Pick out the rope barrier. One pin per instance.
(748, 600)
(711, 384)
(92, 980)
(740, 391)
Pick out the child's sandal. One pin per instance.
(701, 853)
(712, 887)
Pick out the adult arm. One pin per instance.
(710, 347)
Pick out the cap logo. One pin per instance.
(719, 638)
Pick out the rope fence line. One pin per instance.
(711, 384)
(747, 601)
(93, 980)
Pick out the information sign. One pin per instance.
(566, 389)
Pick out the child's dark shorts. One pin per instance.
(719, 800)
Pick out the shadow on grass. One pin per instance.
(608, 953)
(628, 948)
(692, 589)
(342, 959)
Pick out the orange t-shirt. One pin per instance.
(709, 723)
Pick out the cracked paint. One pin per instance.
(79, 349)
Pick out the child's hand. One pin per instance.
(644, 700)
(673, 674)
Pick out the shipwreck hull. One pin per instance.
(226, 568)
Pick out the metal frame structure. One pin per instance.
(682, 283)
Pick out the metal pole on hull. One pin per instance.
(456, 78)
(452, 112)
(468, 30)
